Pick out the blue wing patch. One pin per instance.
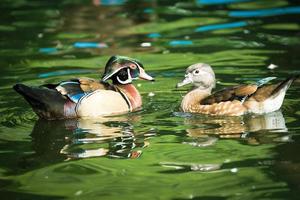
(72, 90)
(76, 97)
(264, 81)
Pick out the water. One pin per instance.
(158, 152)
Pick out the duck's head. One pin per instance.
(122, 70)
(200, 75)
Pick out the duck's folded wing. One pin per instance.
(90, 85)
(240, 92)
(264, 92)
(267, 91)
(75, 89)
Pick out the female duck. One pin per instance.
(86, 97)
(255, 98)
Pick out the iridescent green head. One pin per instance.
(124, 69)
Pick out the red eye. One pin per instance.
(132, 66)
(134, 73)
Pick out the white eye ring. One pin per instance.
(196, 72)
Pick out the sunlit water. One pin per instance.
(158, 152)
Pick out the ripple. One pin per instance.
(191, 166)
(204, 142)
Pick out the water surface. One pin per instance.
(158, 152)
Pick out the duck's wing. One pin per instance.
(90, 85)
(240, 92)
(268, 91)
(74, 89)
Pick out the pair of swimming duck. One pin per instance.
(86, 97)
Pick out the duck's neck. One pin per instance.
(193, 98)
(132, 94)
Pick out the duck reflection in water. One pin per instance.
(205, 130)
(83, 138)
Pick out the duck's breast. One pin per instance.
(101, 103)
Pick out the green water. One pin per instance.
(158, 152)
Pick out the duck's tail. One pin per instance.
(272, 96)
(46, 103)
(284, 86)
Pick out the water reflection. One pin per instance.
(265, 12)
(115, 137)
(108, 2)
(206, 129)
(84, 138)
(222, 26)
(218, 2)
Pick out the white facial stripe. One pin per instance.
(136, 64)
(129, 75)
(129, 80)
(108, 76)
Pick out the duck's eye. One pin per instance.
(135, 72)
(196, 72)
(132, 66)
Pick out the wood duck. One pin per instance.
(255, 98)
(86, 97)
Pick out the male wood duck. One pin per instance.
(255, 98)
(86, 97)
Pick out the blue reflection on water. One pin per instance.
(148, 10)
(180, 42)
(48, 50)
(221, 26)
(109, 2)
(265, 12)
(89, 45)
(210, 2)
(154, 35)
